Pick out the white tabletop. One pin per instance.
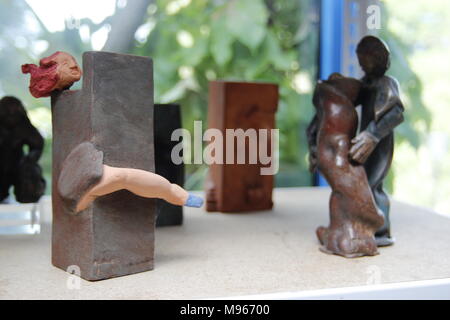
(271, 254)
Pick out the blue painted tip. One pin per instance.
(194, 201)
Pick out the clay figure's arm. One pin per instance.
(35, 143)
(365, 142)
(311, 133)
(84, 178)
(313, 129)
(388, 109)
(388, 115)
(386, 124)
(140, 182)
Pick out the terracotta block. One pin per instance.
(233, 105)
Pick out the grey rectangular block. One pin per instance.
(114, 111)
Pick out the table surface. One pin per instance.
(224, 255)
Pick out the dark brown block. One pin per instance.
(233, 105)
(113, 111)
(167, 119)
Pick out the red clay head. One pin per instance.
(56, 72)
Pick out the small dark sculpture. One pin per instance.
(382, 111)
(355, 167)
(167, 119)
(17, 168)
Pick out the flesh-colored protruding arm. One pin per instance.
(139, 182)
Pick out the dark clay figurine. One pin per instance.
(16, 168)
(382, 111)
(355, 166)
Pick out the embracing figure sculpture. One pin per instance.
(355, 165)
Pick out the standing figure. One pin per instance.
(382, 111)
(17, 168)
(354, 216)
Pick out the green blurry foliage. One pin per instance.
(193, 42)
(268, 41)
(21, 34)
(418, 118)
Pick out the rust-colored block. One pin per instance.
(113, 111)
(233, 187)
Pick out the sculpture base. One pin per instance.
(384, 241)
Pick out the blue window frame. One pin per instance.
(331, 34)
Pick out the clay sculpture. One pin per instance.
(17, 168)
(354, 216)
(355, 165)
(382, 111)
(104, 186)
(56, 72)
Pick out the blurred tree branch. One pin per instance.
(41, 24)
(124, 25)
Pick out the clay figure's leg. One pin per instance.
(377, 167)
(347, 235)
(383, 235)
(7, 179)
(5, 184)
(354, 216)
(140, 182)
(29, 184)
(8, 171)
(84, 178)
